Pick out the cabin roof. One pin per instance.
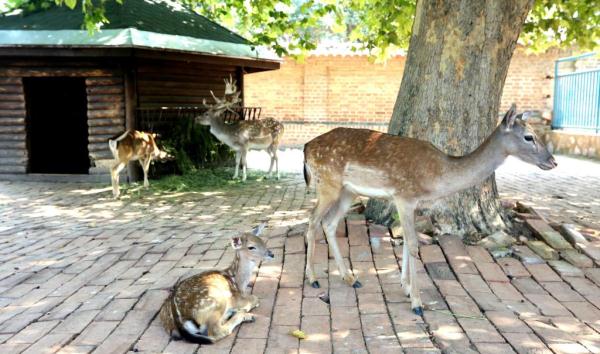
(152, 24)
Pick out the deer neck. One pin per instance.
(241, 271)
(466, 171)
(223, 131)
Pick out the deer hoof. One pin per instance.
(406, 289)
(356, 284)
(315, 284)
(418, 311)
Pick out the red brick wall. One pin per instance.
(529, 82)
(329, 91)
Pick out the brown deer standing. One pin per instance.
(209, 306)
(242, 135)
(347, 162)
(133, 145)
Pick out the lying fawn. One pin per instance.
(348, 162)
(133, 145)
(209, 306)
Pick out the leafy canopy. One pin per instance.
(292, 27)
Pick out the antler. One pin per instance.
(230, 86)
(230, 90)
(218, 100)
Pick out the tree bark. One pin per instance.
(457, 62)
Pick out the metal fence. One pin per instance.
(577, 97)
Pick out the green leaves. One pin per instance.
(556, 23)
(294, 27)
(71, 3)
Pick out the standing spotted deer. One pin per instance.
(242, 135)
(347, 162)
(133, 145)
(209, 306)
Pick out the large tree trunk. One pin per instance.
(458, 58)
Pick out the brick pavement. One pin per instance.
(82, 273)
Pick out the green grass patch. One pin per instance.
(204, 179)
(200, 180)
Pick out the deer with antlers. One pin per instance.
(133, 145)
(345, 163)
(242, 135)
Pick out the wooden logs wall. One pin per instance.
(13, 150)
(180, 84)
(105, 107)
(106, 113)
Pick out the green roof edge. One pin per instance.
(128, 38)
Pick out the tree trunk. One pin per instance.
(457, 62)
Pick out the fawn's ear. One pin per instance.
(259, 229)
(237, 241)
(509, 118)
(524, 115)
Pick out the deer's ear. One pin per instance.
(509, 118)
(259, 229)
(236, 242)
(524, 115)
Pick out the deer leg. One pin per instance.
(225, 327)
(145, 163)
(407, 218)
(238, 157)
(330, 223)
(244, 152)
(276, 158)
(404, 279)
(114, 176)
(272, 156)
(248, 302)
(324, 202)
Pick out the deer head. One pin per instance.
(157, 153)
(250, 246)
(230, 99)
(521, 141)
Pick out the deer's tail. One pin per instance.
(306, 170)
(113, 144)
(188, 329)
(307, 175)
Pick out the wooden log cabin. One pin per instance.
(65, 91)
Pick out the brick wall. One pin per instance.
(329, 91)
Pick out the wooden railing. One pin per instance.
(155, 119)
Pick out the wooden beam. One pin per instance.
(12, 121)
(12, 169)
(13, 153)
(102, 130)
(39, 51)
(102, 139)
(239, 76)
(207, 59)
(12, 113)
(130, 107)
(8, 145)
(11, 105)
(252, 65)
(55, 71)
(101, 114)
(12, 129)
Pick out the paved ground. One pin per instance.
(82, 273)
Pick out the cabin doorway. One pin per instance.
(57, 132)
